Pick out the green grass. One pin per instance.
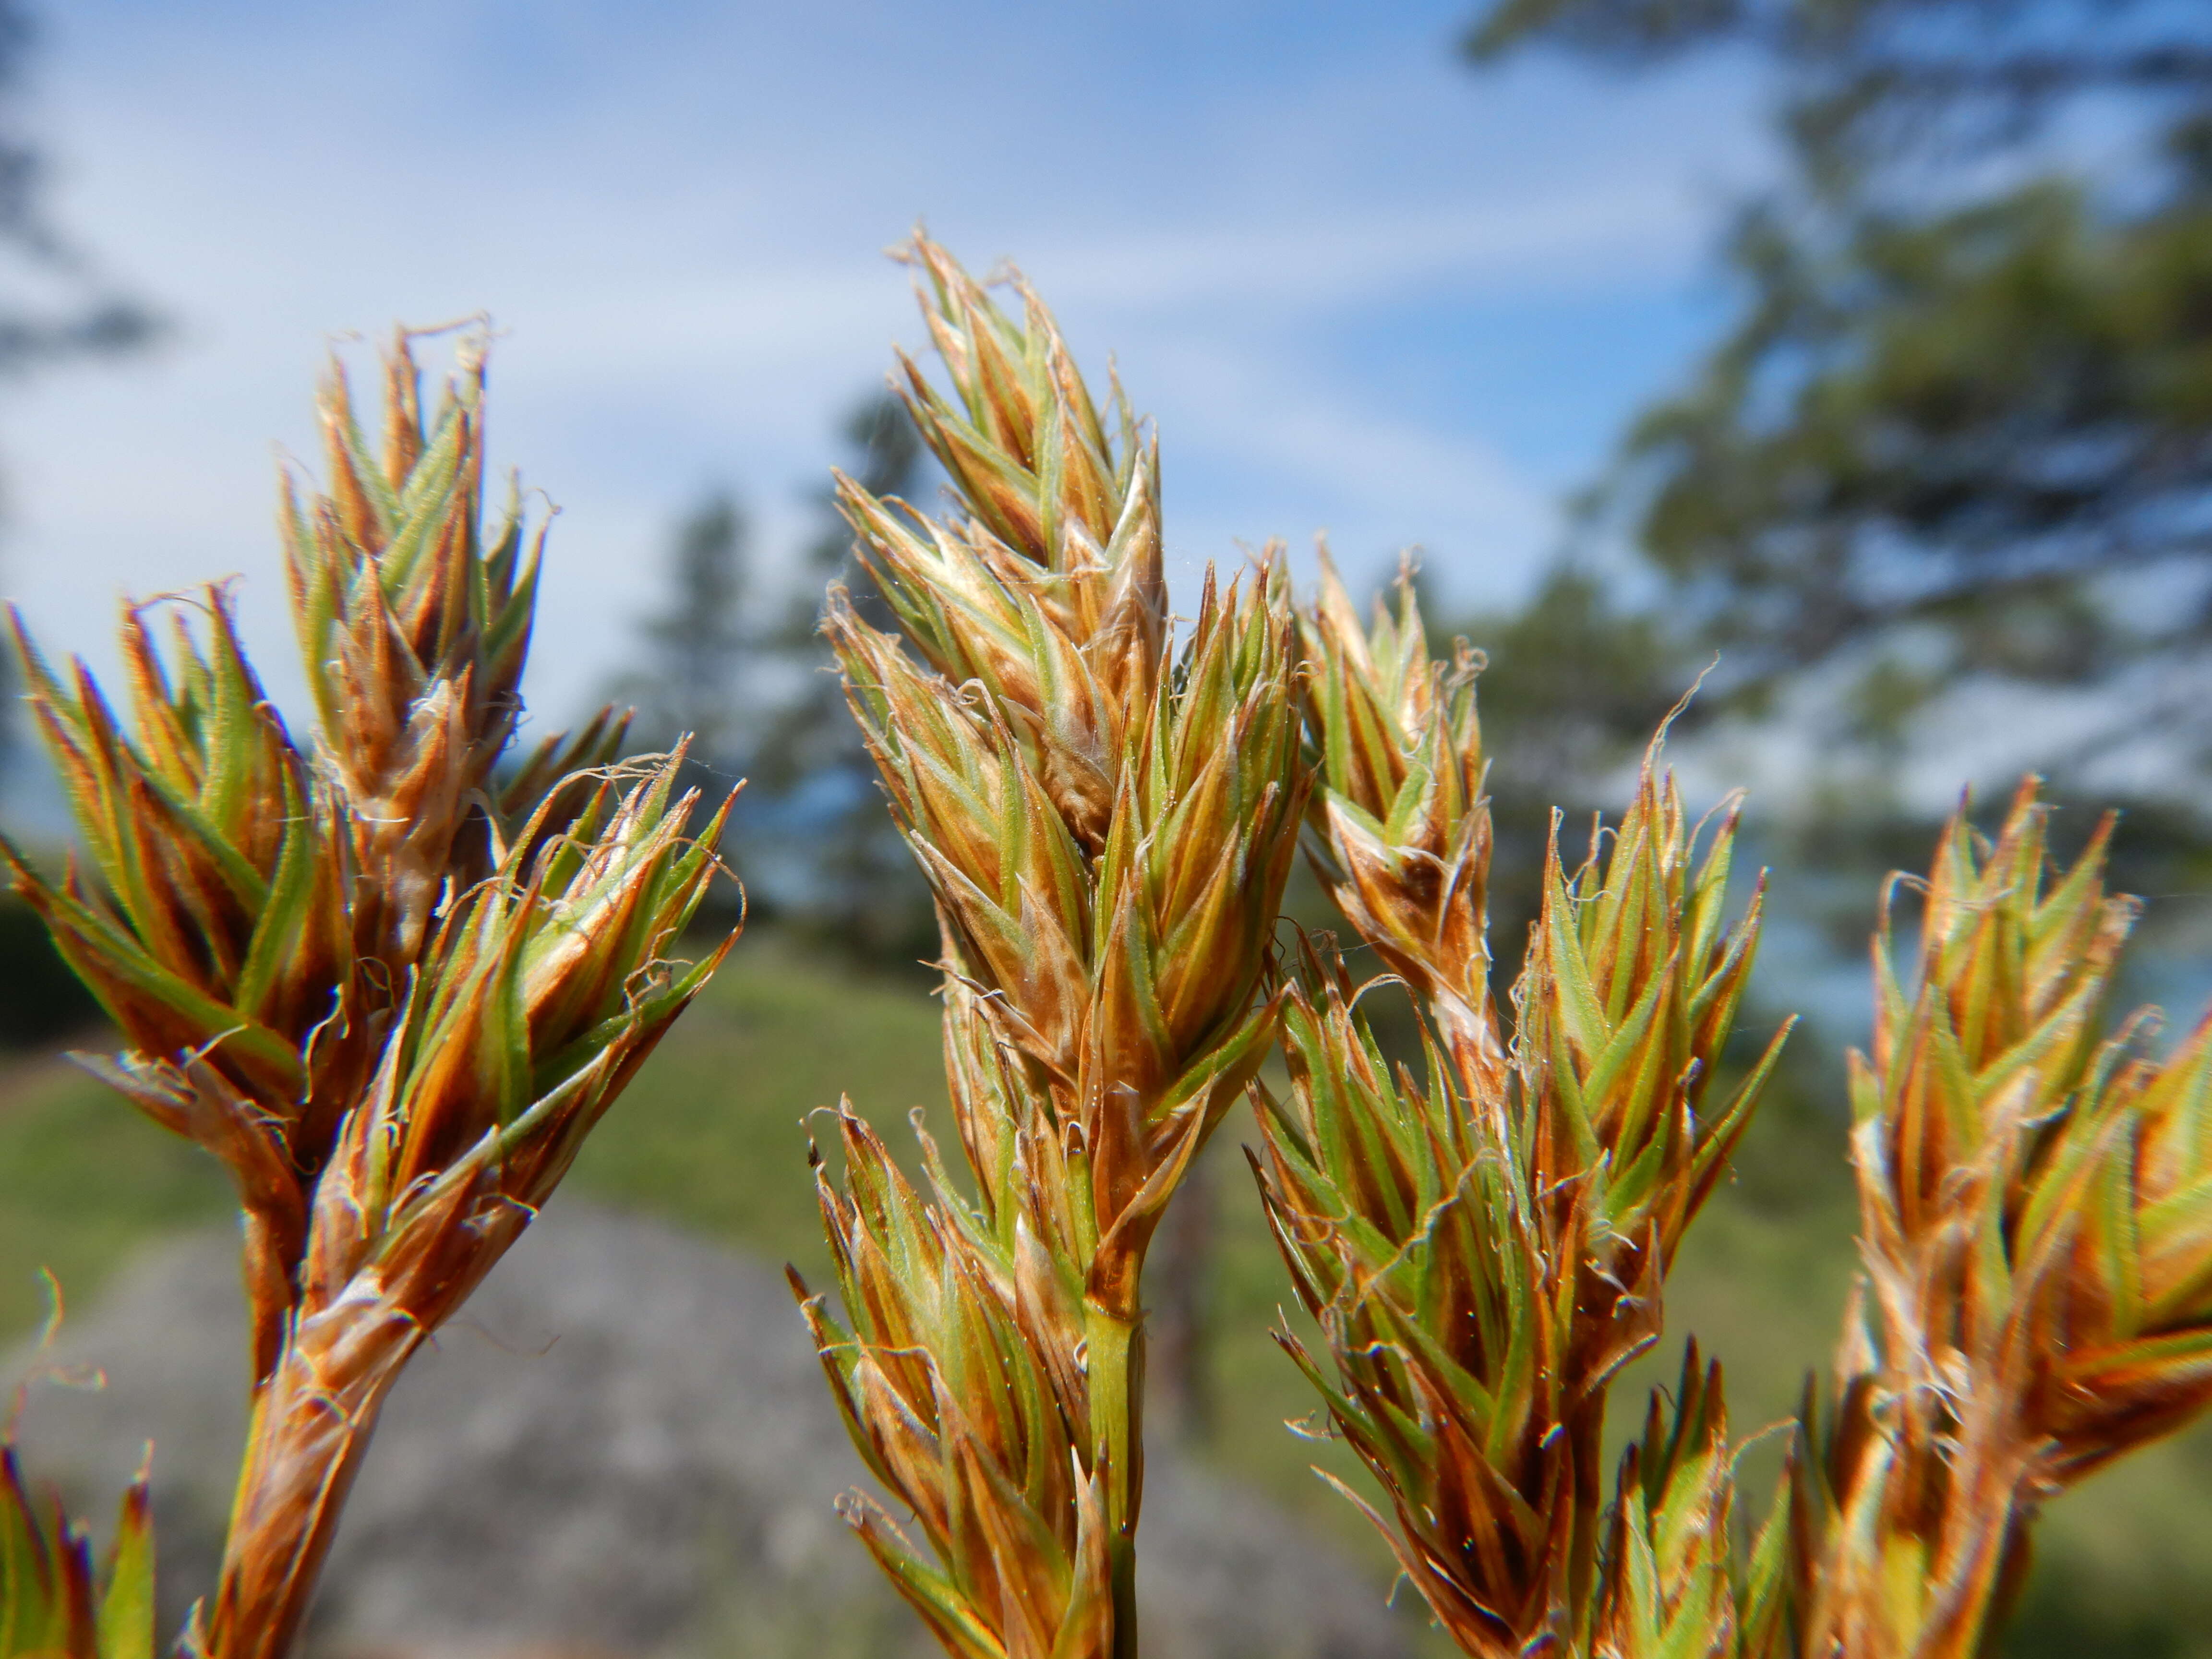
(84, 1181)
(712, 1135)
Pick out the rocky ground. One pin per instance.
(624, 1448)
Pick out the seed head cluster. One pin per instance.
(1107, 812)
(1484, 1244)
(2038, 1297)
(391, 977)
(389, 988)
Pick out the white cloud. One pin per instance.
(675, 220)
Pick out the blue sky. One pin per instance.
(1361, 289)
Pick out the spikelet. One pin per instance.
(1668, 1578)
(542, 990)
(1631, 991)
(414, 624)
(2038, 1249)
(1485, 1246)
(1402, 829)
(55, 1602)
(391, 990)
(1108, 832)
(214, 926)
(1388, 1205)
(958, 1382)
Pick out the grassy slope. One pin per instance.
(713, 1132)
(712, 1135)
(83, 1182)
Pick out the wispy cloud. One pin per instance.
(675, 216)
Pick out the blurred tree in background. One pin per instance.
(1968, 385)
(853, 885)
(696, 663)
(55, 306)
(741, 666)
(1956, 441)
(697, 644)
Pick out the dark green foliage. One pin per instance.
(1969, 382)
(696, 644)
(1985, 412)
(1871, 80)
(850, 885)
(40, 999)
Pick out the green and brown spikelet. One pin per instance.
(2037, 1240)
(391, 991)
(1107, 820)
(215, 924)
(416, 624)
(1668, 1577)
(56, 1602)
(1402, 831)
(962, 1382)
(1484, 1245)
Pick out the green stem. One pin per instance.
(1113, 1350)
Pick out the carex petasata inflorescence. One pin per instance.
(387, 981)
(1484, 1244)
(1106, 810)
(2035, 1194)
(392, 981)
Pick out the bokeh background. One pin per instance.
(1855, 355)
(1362, 292)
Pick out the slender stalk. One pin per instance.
(1113, 1349)
(304, 1446)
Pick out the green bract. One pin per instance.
(55, 1603)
